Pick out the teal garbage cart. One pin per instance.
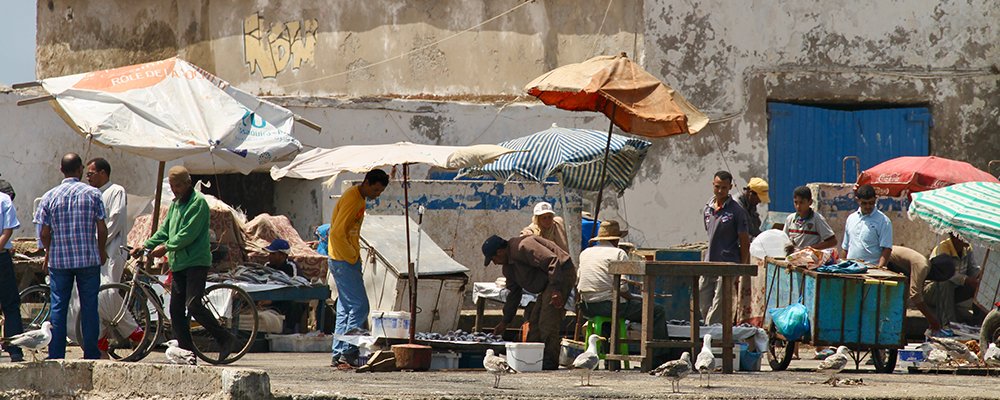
(864, 312)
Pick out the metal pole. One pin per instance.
(156, 207)
(412, 278)
(604, 170)
(156, 201)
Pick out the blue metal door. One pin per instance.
(807, 143)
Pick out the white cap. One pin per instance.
(543, 208)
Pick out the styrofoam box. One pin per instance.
(390, 324)
(444, 360)
(717, 352)
(525, 357)
(300, 343)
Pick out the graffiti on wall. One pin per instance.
(272, 49)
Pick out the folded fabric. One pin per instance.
(844, 267)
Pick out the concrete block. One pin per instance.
(117, 380)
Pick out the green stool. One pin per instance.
(594, 325)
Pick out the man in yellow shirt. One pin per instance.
(345, 262)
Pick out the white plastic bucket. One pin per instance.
(525, 357)
(390, 324)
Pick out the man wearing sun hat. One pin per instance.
(595, 284)
(753, 194)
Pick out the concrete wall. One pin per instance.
(460, 215)
(727, 57)
(836, 202)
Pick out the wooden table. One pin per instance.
(649, 270)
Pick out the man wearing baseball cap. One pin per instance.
(546, 224)
(277, 258)
(753, 194)
(536, 265)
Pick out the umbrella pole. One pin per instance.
(604, 171)
(156, 201)
(412, 277)
(156, 205)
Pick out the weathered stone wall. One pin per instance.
(727, 57)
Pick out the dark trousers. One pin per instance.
(545, 322)
(10, 300)
(292, 311)
(186, 293)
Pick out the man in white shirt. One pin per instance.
(595, 283)
(98, 175)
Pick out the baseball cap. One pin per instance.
(278, 245)
(543, 208)
(759, 186)
(490, 247)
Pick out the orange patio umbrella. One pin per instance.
(630, 97)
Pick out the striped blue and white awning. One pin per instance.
(574, 156)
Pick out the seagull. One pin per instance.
(956, 350)
(177, 355)
(992, 357)
(33, 341)
(832, 365)
(705, 363)
(496, 366)
(588, 360)
(675, 371)
(934, 354)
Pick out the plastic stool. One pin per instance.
(594, 325)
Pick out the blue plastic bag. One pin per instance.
(792, 322)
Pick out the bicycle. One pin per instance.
(235, 309)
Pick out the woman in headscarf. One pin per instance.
(546, 224)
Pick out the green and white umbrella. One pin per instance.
(970, 210)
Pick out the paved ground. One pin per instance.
(308, 376)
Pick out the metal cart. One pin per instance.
(864, 312)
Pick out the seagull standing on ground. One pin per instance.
(496, 366)
(675, 371)
(705, 363)
(33, 341)
(992, 357)
(832, 365)
(177, 355)
(588, 360)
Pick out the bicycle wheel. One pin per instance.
(121, 313)
(236, 312)
(35, 306)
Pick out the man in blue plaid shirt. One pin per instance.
(74, 235)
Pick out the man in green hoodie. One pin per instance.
(183, 237)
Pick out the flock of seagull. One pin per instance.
(938, 351)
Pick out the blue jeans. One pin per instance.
(10, 300)
(88, 281)
(352, 304)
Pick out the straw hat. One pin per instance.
(609, 230)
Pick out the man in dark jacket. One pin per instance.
(535, 265)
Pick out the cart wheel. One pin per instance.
(779, 352)
(885, 360)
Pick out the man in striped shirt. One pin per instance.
(73, 234)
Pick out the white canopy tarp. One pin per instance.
(322, 163)
(169, 109)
